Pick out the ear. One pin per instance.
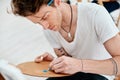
(57, 2)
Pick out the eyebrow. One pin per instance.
(42, 16)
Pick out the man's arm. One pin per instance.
(110, 66)
(106, 66)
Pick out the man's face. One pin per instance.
(47, 16)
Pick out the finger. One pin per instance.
(55, 61)
(48, 57)
(57, 66)
(39, 59)
(59, 70)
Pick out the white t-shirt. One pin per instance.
(94, 27)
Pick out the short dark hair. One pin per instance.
(27, 7)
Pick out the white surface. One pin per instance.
(20, 39)
(10, 72)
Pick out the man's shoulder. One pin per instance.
(89, 6)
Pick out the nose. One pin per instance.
(45, 24)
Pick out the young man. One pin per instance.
(84, 36)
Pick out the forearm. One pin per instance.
(101, 66)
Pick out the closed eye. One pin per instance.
(45, 16)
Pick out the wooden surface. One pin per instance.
(118, 77)
(37, 69)
(1, 77)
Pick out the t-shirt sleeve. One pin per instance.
(104, 25)
(52, 38)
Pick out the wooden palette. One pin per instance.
(38, 69)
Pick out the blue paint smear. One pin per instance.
(45, 70)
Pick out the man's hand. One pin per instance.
(66, 65)
(46, 56)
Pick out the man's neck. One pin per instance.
(66, 14)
